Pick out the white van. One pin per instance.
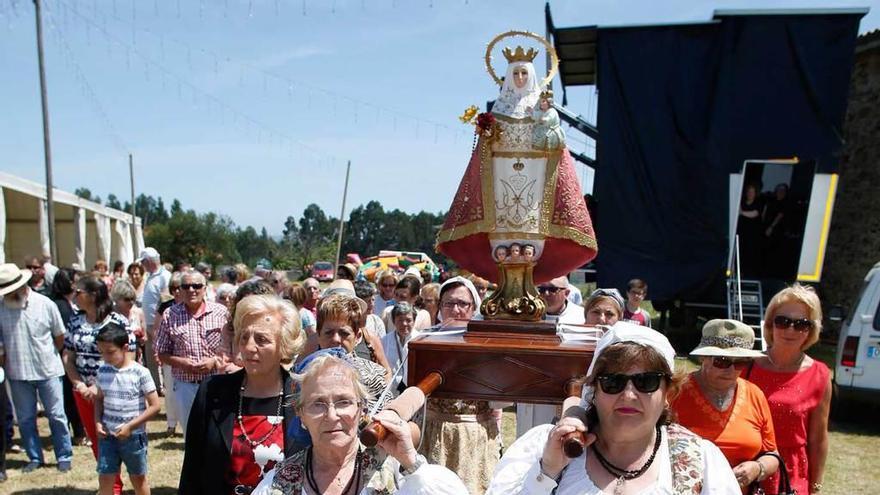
(857, 369)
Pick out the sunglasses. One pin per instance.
(724, 363)
(802, 325)
(548, 289)
(614, 383)
(192, 286)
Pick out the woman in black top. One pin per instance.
(236, 430)
(62, 296)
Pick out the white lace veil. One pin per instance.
(513, 101)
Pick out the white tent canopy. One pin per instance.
(85, 231)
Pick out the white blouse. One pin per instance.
(519, 471)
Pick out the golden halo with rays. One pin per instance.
(554, 59)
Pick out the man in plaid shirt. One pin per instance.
(189, 340)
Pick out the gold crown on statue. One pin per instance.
(548, 94)
(519, 55)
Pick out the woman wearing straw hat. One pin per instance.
(718, 405)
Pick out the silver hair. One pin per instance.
(318, 366)
(123, 289)
(193, 274)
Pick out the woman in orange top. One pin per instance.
(718, 405)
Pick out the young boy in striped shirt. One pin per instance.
(126, 400)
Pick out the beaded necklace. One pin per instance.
(624, 475)
(244, 433)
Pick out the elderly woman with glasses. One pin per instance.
(462, 435)
(331, 402)
(604, 307)
(718, 405)
(236, 430)
(798, 387)
(632, 445)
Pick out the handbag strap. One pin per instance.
(784, 487)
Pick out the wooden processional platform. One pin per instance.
(500, 360)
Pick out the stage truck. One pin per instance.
(717, 146)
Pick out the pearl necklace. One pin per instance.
(244, 434)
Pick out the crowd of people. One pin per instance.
(270, 383)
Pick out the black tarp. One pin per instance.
(680, 108)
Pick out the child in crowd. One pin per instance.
(636, 292)
(126, 399)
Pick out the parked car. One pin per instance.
(323, 271)
(857, 367)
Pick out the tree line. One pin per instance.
(185, 235)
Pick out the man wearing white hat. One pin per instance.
(31, 334)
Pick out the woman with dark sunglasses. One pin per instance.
(632, 445)
(718, 405)
(798, 387)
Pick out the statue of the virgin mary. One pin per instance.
(519, 215)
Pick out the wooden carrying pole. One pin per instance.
(375, 432)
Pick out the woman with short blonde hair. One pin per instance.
(797, 387)
(291, 336)
(430, 295)
(240, 417)
(804, 295)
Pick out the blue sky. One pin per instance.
(252, 108)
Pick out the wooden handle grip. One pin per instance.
(573, 444)
(375, 432)
(430, 382)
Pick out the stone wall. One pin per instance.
(854, 240)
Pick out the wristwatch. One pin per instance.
(419, 462)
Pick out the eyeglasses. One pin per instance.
(192, 286)
(389, 286)
(724, 363)
(802, 325)
(548, 289)
(33, 267)
(614, 383)
(457, 304)
(343, 407)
